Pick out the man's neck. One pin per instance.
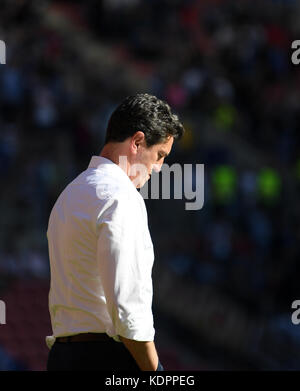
(114, 153)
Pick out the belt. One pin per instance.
(85, 337)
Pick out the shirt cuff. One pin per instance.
(137, 331)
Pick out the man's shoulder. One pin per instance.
(103, 186)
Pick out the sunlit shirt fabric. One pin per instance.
(101, 257)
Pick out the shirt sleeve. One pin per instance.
(125, 257)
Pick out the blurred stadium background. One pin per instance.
(225, 276)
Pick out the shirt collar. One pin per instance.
(97, 161)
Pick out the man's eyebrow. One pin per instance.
(163, 153)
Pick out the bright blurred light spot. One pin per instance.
(269, 184)
(224, 182)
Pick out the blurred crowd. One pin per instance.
(225, 67)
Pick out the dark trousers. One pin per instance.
(91, 356)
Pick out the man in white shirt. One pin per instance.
(100, 249)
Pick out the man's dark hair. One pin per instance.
(145, 113)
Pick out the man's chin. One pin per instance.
(141, 183)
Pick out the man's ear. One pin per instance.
(137, 139)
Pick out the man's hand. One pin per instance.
(144, 353)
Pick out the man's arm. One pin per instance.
(125, 265)
(144, 353)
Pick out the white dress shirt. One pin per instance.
(101, 256)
